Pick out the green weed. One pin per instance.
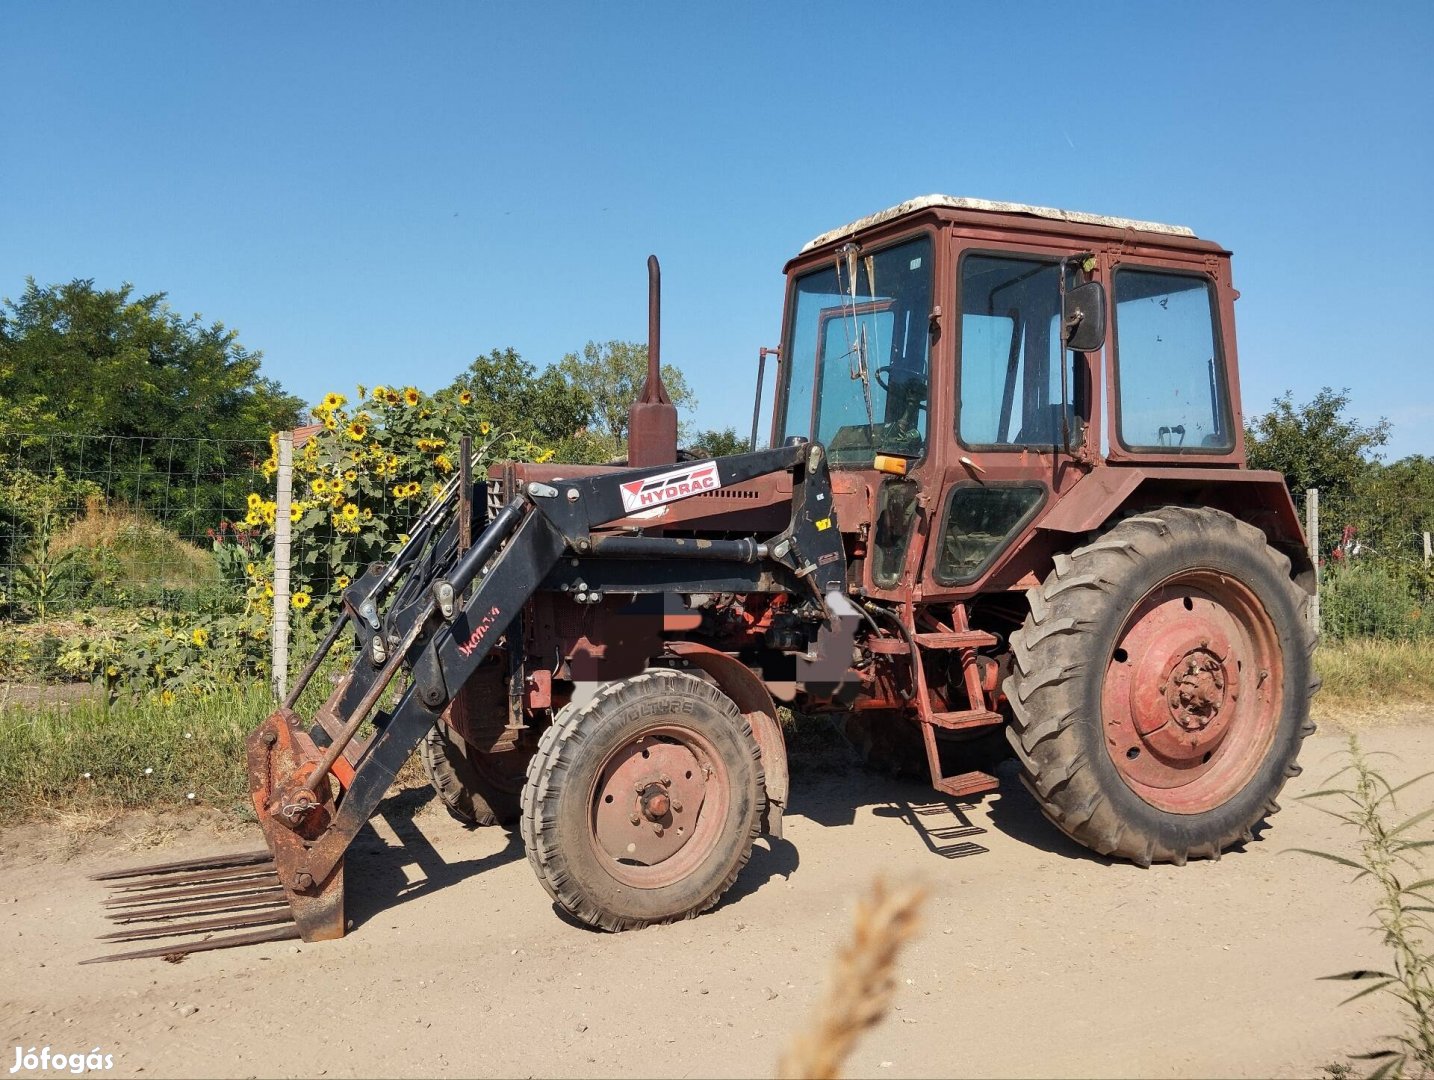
(1390, 854)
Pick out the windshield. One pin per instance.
(855, 359)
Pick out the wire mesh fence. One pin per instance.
(100, 533)
(89, 521)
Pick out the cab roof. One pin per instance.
(961, 202)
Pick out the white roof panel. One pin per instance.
(959, 202)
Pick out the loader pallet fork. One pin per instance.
(446, 607)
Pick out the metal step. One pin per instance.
(968, 783)
(965, 718)
(960, 639)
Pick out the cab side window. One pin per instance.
(1010, 369)
(1169, 375)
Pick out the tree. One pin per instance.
(1396, 507)
(1315, 445)
(611, 376)
(542, 406)
(716, 443)
(184, 399)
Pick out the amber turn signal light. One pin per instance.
(889, 463)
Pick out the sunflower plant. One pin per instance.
(367, 471)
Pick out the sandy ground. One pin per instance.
(1036, 958)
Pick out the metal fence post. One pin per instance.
(1312, 539)
(283, 497)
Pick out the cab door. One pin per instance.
(1021, 414)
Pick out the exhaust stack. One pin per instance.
(652, 418)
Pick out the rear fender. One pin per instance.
(1257, 496)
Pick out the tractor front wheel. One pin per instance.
(641, 805)
(1161, 686)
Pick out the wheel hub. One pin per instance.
(648, 799)
(1196, 689)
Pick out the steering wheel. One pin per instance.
(882, 374)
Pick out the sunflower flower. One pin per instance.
(465, 398)
(300, 600)
(200, 636)
(410, 396)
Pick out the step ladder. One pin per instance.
(961, 639)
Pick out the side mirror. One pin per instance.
(1084, 317)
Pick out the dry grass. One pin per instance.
(862, 984)
(81, 765)
(144, 552)
(1372, 680)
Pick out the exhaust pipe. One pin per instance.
(652, 419)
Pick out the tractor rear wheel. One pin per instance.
(477, 788)
(641, 805)
(1161, 686)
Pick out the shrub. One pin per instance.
(1368, 600)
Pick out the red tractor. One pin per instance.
(1006, 488)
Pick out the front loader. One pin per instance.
(1006, 492)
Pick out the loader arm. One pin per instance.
(437, 610)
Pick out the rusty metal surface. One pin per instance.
(1191, 694)
(277, 768)
(960, 202)
(207, 862)
(185, 902)
(254, 937)
(652, 419)
(659, 804)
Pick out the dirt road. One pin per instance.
(1037, 958)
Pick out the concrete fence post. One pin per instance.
(282, 534)
(1312, 540)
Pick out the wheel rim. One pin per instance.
(1192, 692)
(658, 806)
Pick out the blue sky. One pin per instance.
(379, 192)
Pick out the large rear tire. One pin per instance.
(475, 787)
(641, 806)
(1161, 686)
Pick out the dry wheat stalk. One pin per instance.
(863, 981)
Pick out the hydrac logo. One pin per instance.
(671, 486)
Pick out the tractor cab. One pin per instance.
(973, 361)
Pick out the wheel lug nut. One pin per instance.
(665, 781)
(658, 829)
(636, 819)
(676, 806)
